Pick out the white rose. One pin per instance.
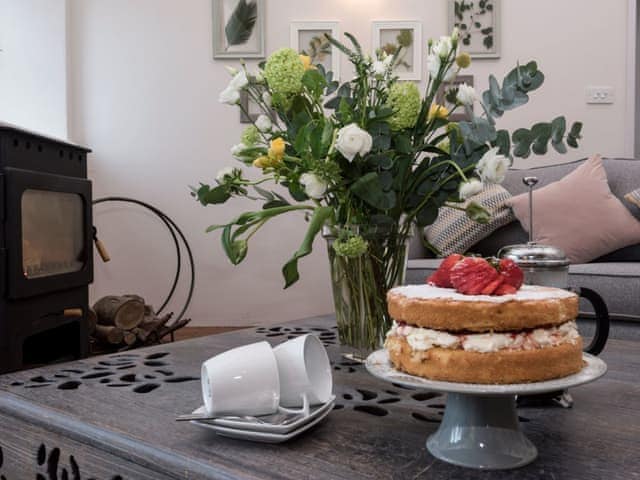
(266, 98)
(466, 95)
(352, 140)
(314, 187)
(442, 47)
(237, 150)
(492, 167)
(229, 95)
(225, 172)
(470, 188)
(379, 67)
(263, 123)
(239, 81)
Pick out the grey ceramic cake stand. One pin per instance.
(480, 427)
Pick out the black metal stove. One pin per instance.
(46, 252)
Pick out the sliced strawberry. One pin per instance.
(440, 278)
(493, 286)
(511, 272)
(505, 289)
(472, 275)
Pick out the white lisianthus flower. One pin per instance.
(233, 71)
(455, 35)
(259, 76)
(229, 95)
(466, 94)
(379, 68)
(266, 98)
(470, 188)
(237, 149)
(492, 167)
(352, 140)
(442, 47)
(387, 60)
(433, 65)
(239, 81)
(314, 187)
(225, 172)
(263, 123)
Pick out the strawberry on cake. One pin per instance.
(474, 322)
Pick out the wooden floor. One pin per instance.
(194, 332)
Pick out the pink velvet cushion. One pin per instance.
(579, 214)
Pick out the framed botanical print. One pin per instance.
(309, 38)
(238, 28)
(479, 24)
(404, 38)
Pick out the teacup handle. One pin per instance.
(303, 411)
(601, 316)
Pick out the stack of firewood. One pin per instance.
(125, 322)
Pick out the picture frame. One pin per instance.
(238, 28)
(306, 37)
(386, 36)
(461, 115)
(479, 24)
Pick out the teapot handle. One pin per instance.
(601, 316)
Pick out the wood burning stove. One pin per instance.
(46, 252)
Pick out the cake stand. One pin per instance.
(480, 427)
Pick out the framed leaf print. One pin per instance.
(479, 25)
(238, 28)
(309, 38)
(404, 38)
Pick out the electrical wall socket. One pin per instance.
(600, 94)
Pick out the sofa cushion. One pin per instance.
(454, 232)
(617, 283)
(579, 214)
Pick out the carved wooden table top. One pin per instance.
(112, 417)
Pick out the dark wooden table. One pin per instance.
(112, 417)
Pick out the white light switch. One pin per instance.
(600, 95)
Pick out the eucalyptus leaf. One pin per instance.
(369, 188)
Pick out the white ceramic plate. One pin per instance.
(236, 424)
(267, 437)
(379, 365)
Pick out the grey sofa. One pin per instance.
(616, 276)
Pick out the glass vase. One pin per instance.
(360, 283)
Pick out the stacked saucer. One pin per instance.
(274, 428)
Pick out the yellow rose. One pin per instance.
(437, 111)
(261, 162)
(306, 62)
(276, 148)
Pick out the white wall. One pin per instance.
(33, 77)
(144, 96)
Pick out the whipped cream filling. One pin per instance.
(421, 339)
(526, 292)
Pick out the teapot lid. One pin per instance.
(532, 254)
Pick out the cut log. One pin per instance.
(125, 312)
(129, 338)
(109, 334)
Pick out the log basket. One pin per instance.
(155, 325)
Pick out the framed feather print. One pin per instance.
(238, 28)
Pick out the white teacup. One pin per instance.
(241, 381)
(305, 372)
(244, 381)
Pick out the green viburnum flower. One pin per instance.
(352, 247)
(283, 72)
(250, 136)
(404, 99)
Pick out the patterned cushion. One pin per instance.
(633, 197)
(454, 232)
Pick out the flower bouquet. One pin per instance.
(366, 161)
